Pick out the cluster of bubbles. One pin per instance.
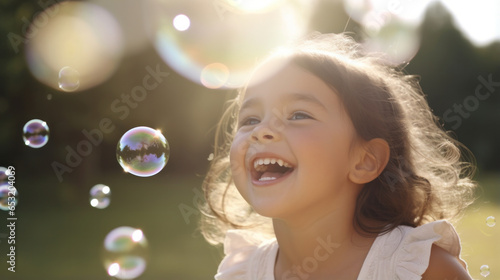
(5, 189)
(143, 151)
(125, 252)
(36, 133)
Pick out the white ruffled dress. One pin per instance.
(403, 253)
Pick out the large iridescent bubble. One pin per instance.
(36, 133)
(225, 38)
(125, 252)
(143, 151)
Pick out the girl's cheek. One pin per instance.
(237, 155)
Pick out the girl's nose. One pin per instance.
(264, 133)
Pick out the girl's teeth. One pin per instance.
(267, 178)
(266, 161)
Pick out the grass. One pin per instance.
(480, 244)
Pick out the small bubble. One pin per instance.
(100, 196)
(35, 133)
(69, 79)
(485, 270)
(181, 22)
(7, 191)
(490, 221)
(125, 253)
(210, 157)
(143, 151)
(49, 96)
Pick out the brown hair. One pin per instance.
(428, 176)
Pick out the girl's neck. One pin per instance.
(326, 245)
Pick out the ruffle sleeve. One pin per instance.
(412, 258)
(247, 256)
(404, 253)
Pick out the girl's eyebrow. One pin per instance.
(249, 103)
(297, 96)
(294, 96)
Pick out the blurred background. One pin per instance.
(92, 70)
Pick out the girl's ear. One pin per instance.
(370, 161)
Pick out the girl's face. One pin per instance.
(291, 152)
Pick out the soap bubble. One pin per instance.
(399, 41)
(485, 270)
(7, 191)
(79, 47)
(236, 34)
(491, 221)
(36, 133)
(125, 252)
(390, 27)
(100, 196)
(69, 79)
(143, 151)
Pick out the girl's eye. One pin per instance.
(249, 121)
(300, 116)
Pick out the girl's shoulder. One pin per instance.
(245, 251)
(405, 251)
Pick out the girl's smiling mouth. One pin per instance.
(266, 170)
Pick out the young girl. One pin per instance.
(344, 172)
